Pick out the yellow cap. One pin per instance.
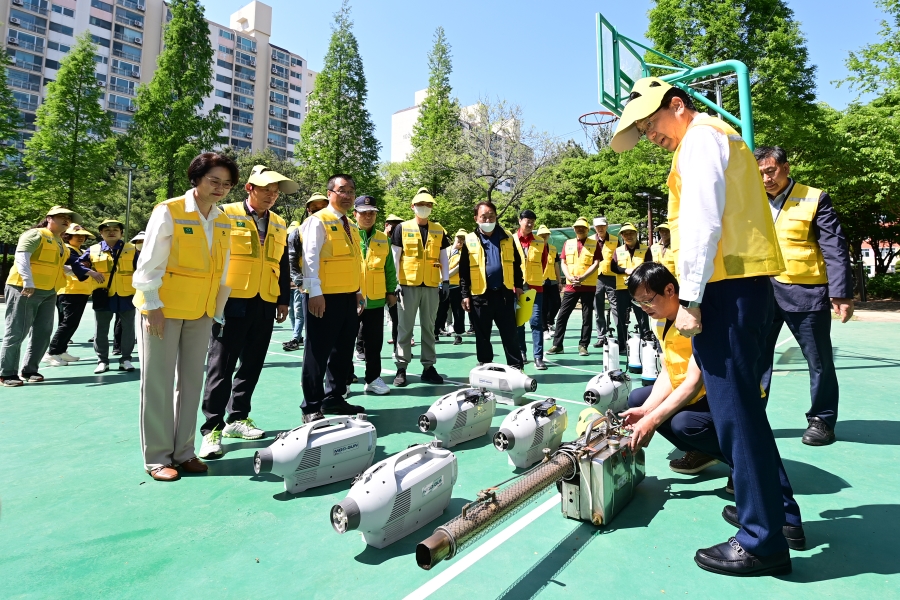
(393, 218)
(461, 232)
(580, 222)
(315, 197)
(627, 227)
(76, 229)
(423, 195)
(543, 229)
(60, 210)
(663, 226)
(109, 223)
(263, 176)
(646, 97)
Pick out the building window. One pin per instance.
(223, 94)
(246, 44)
(68, 12)
(244, 87)
(102, 5)
(295, 101)
(224, 64)
(99, 40)
(296, 88)
(27, 41)
(866, 253)
(225, 49)
(296, 62)
(126, 52)
(278, 98)
(100, 23)
(223, 79)
(62, 48)
(101, 59)
(226, 34)
(282, 58)
(294, 128)
(296, 75)
(51, 64)
(294, 114)
(62, 29)
(280, 71)
(278, 84)
(293, 140)
(129, 35)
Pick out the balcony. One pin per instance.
(126, 72)
(243, 120)
(33, 7)
(28, 66)
(129, 22)
(131, 4)
(23, 105)
(244, 76)
(280, 61)
(244, 61)
(120, 106)
(243, 105)
(121, 89)
(128, 40)
(121, 124)
(277, 143)
(277, 129)
(30, 46)
(127, 56)
(24, 85)
(29, 26)
(275, 100)
(245, 47)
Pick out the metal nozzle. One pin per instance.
(531, 384)
(433, 550)
(362, 417)
(504, 440)
(262, 461)
(590, 397)
(345, 515)
(427, 422)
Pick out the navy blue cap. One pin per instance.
(365, 203)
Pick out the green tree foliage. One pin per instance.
(10, 161)
(338, 135)
(169, 129)
(438, 128)
(875, 69)
(763, 35)
(71, 151)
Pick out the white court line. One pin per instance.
(483, 550)
(782, 343)
(572, 368)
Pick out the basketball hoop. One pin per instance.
(598, 128)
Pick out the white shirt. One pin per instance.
(151, 266)
(313, 233)
(701, 164)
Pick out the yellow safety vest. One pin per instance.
(340, 257)
(803, 259)
(378, 253)
(478, 268)
(46, 264)
(75, 287)
(102, 262)
(421, 262)
(748, 246)
(677, 351)
(579, 262)
(532, 263)
(626, 261)
(454, 262)
(664, 256)
(194, 270)
(294, 225)
(254, 270)
(609, 249)
(550, 269)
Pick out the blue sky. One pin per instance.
(541, 55)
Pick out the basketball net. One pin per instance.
(598, 128)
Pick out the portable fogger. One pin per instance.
(459, 416)
(596, 476)
(398, 495)
(508, 385)
(526, 431)
(608, 391)
(319, 453)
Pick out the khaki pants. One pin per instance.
(169, 415)
(423, 300)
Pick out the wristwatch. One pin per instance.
(689, 303)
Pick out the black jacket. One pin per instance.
(465, 275)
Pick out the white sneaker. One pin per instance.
(55, 360)
(377, 387)
(211, 447)
(126, 365)
(245, 429)
(102, 367)
(69, 358)
(547, 335)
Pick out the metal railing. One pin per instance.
(123, 90)
(281, 61)
(275, 100)
(24, 85)
(126, 56)
(244, 61)
(121, 124)
(119, 106)
(125, 72)
(130, 4)
(30, 27)
(32, 7)
(244, 105)
(278, 143)
(28, 66)
(243, 120)
(30, 46)
(244, 76)
(277, 129)
(129, 22)
(247, 48)
(29, 106)
(130, 40)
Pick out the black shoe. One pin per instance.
(470, 332)
(400, 379)
(430, 375)
(692, 462)
(343, 408)
(539, 364)
(555, 350)
(457, 341)
(116, 352)
(310, 417)
(728, 558)
(598, 343)
(353, 379)
(291, 346)
(91, 341)
(818, 433)
(796, 538)
(729, 486)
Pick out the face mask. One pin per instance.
(487, 227)
(422, 211)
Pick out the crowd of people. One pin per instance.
(746, 249)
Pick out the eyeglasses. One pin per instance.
(219, 184)
(648, 123)
(343, 192)
(644, 303)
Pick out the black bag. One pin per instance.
(100, 296)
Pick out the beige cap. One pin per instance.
(110, 222)
(316, 197)
(392, 218)
(646, 97)
(60, 210)
(543, 229)
(423, 195)
(76, 229)
(627, 227)
(663, 226)
(580, 222)
(461, 232)
(263, 176)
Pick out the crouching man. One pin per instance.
(676, 404)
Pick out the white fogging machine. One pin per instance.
(526, 431)
(459, 416)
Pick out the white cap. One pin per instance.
(600, 221)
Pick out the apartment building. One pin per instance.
(260, 89)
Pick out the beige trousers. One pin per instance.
(169, 413)
(424, 301)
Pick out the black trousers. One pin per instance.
(392, 313)
(328, 352)
(812, 331)
(570, 299)
(551, 305)
(459, 314)
(626, 307)
(243, 338)
(606, 290)
(496, 307)
(371, 332)
(70, 309)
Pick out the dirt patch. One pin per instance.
(880, 305)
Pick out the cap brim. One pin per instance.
(627, 136)
(365, 209)
(285, 185)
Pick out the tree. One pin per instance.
(9, 121)
(875, 69)
(437, 131)
(763, 35)
(338, 135)
(169, 129)
(73, 148)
